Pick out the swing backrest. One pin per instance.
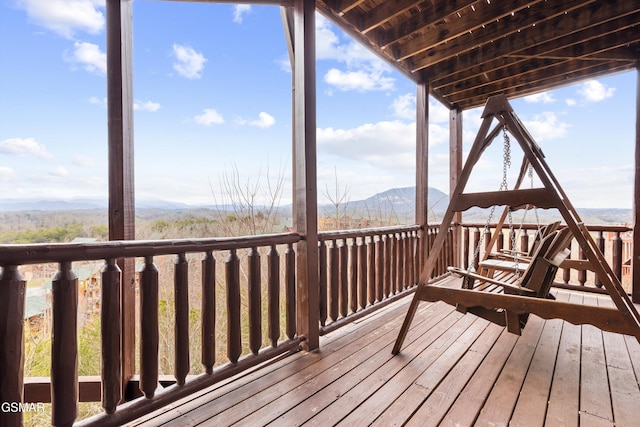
(542, 233)
(542, 270)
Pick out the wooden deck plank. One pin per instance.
(625, 393)
(410, 400)
(435, 407)
(594, 381)
(396, 385)
(499, 406)
(307, 399)
(468, 405)
(564, 400)
(380, 365)
(322, 360)
(532, 402)
(455, 370)
(229, 394)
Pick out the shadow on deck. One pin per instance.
(454, 370)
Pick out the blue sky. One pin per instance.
(212, 87)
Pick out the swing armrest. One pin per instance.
(512, 287)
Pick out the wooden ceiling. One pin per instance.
(469, 50)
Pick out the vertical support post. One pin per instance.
(120, 147)
(305, 209)
(422, 165)
(635, 259)
(455, 170)
(12, 303)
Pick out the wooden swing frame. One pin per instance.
(624, 318)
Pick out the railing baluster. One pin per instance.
(274, 295)
(616, 253)
(524, 241)
(362, 273)
(388, 261)
(371, 270)
(12, 306)
(255, 301)
(582, 274)
(234, 331)
(344, 286)
(399, 262)
(380, 268)
(353, 276)
(111, 336)
(64, 347)
(149, 335)
(208, 312)
(334, 285)
(181, 296)
(322, 278)
(600, 245)
(466, 245)
(290, 267)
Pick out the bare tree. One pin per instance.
(248, 207)
(339, 200)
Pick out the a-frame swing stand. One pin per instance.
(624, 318)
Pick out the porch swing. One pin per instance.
(509, 303)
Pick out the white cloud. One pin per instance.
(90, 56)
(404, 106)
(59, 172)
(594, 91)
(571, 102)
(6, 173)
(543, 97)
(386, 144)
(188, 63)
(358, 80)
(546, 126)
(146, 106)
(97, 101)
(24, 147)
(239, 11)
(66, 17)
(209, 117)
(364, 71)
(82, 160)
(264, 121)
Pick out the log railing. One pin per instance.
(248, 286)
(361, 270)
(608, 238)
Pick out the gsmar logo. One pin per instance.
(21, 407)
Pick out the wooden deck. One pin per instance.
(454, 370)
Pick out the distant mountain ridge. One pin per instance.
(398, 202)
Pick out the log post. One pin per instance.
(234, 331)
(12, 303)
(635, 259)
(208, 312)
(119, 23)
(455, 170)
(422, 159)
(305, 194)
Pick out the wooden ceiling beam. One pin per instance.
(528, 88)
(384, 12)
(530, 27)
(430, 15)
(541, 37)
(343, 6)
(476, 68)
(484, 15)
(521, 66)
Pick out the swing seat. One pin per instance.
(510, 255)
(535, 282)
